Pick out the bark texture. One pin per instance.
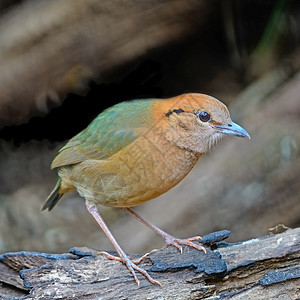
(267, 267)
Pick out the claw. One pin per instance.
(172, 241)
(110, 256)
(195, 238)
(117, 258)
(138, 260)
(132, 266)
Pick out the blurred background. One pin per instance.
(62, 62)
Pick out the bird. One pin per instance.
(137, 150)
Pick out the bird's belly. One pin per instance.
(134, 177)
(130, 189)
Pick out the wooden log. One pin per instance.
(267, 267)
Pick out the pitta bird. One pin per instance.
(135, 151)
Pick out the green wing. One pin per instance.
(111, 131)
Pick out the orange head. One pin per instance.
(196, 122)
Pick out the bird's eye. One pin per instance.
(204, 116)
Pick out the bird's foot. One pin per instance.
(172, 241)
(132, 266)
(135, 261)
(138, 260)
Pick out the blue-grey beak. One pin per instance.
(233, 129)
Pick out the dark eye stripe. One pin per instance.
(177, 111)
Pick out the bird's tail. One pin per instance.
(54, 197)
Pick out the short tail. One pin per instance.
(54, 197)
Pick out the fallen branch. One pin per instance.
(264, 268)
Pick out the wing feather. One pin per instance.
(111, 131)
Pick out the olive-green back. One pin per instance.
(110, 131)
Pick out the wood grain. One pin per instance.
(263, 268)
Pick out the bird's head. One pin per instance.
(196, 122)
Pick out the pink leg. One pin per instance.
(123, 257)
(170, 240)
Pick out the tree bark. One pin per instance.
(267, 267)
